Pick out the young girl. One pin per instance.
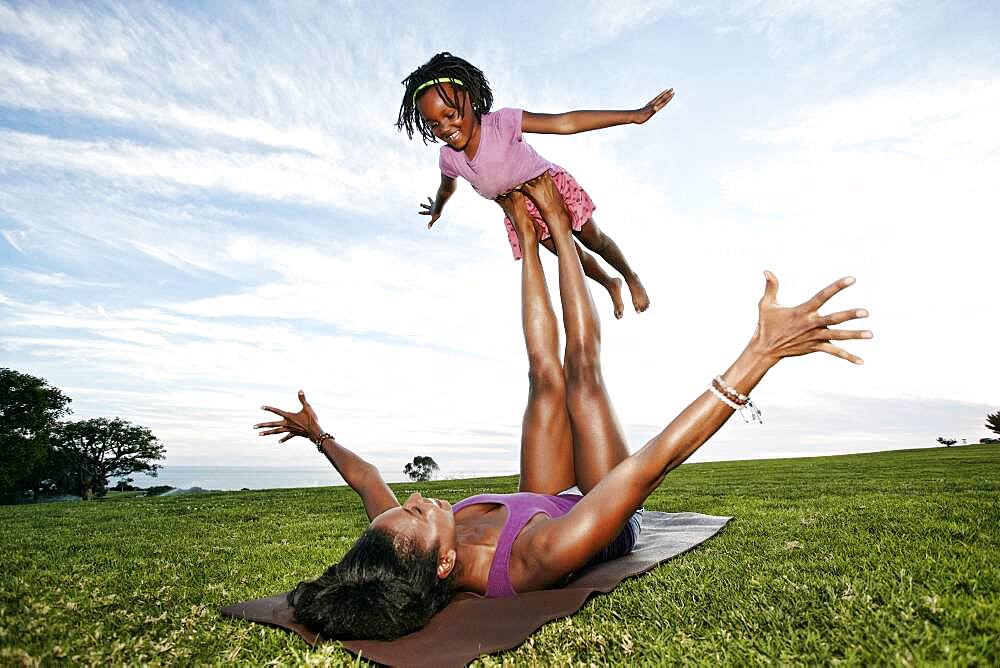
(450, 99)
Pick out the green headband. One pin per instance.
(433, 82)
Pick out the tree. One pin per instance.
(946, 442)
(993, 422)
(91, 451)
(29, 411)
(125, 485)
(421, 469)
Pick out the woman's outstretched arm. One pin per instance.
(362, 476)
(570, 541)
(572, 122)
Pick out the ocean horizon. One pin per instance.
(229, 478)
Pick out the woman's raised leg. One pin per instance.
(598, 441)
(595, 272)
(546, 440)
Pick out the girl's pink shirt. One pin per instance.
(504, 160)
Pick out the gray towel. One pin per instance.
(472, 625)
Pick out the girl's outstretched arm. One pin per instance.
(570, 541)
(572, 122)
(363, 477)
(433, 207)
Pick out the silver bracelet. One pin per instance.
(755, 414)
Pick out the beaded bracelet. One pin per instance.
(735, 400)
(724, 399)
(730, 391)
(322, 437)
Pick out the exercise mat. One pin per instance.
(472, 625)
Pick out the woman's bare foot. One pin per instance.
(615, 290)
(513, 205)
(549, 202)
(640, 300)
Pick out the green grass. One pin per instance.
(866, 559)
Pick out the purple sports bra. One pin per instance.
(521, 507)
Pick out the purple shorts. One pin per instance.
(578, 203)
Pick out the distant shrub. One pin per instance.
(421, 469)
(990, 441)
(993, 422)
(125, 486)
(156, 490)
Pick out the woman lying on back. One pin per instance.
(414, 557)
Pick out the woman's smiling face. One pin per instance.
(429, 523)
(454, 127)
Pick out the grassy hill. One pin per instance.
(881, 558)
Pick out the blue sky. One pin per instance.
(204, 207)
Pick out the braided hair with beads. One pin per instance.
(442, 66)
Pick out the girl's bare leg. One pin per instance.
(598, 441)
(594, 271)
(597, 241)
(546, 439)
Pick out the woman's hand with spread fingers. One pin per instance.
(363, 477)
(303, 423)
(800, 330)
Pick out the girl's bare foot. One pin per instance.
(615, 290)
(640, 300)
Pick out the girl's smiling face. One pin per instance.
(455, 127)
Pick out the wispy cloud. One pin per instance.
(203, 211)
(610, 21)
(853, 33)
(898, 181)
(51, 280)
(12, 238)
(281, 176)
(916, 119)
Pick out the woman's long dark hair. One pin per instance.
(442, 66)
(377, 591)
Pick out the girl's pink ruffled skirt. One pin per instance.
(578, 202)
